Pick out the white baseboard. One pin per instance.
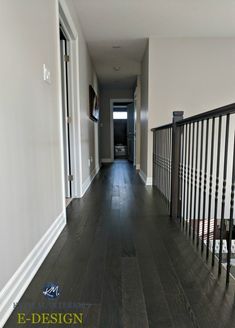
(143, 176)
(89, 180)
(148, 181)
(106, 160)
(16, 286)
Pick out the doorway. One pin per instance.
(68, 50)
(123, 130)
(66, 114)
(120, 131)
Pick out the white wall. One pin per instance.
(189, 74)
(89, 129)
(31, 177)
(30, 165)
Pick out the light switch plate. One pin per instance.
(46, 74)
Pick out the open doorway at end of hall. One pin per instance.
(124, 131)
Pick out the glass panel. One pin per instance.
(119, 115)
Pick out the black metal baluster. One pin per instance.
(181, 171)
(223, 192)
(160, 173)
(185, 157)
(170, 163)
(188, 183)
(186, 180)
(155, 157)
(163, 170)
(159, 167)
(200, 183)
(204, 185)
(191, 190)
(168, 168)
(165, 165)
(195, 185)
(163, 182)
(231, 217)
(157, 151)
(154, 154)
(216, 190)
(168, 175)
(210, 186)
(160, 159)
(165, 175)
(162, 162)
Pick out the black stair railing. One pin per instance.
(194, 169)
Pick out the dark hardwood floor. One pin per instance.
(123, 263)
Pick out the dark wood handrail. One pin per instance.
(221, 111)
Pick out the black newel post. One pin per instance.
(177, 116)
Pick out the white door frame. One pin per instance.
(66, 125)
(112, 101)
(74, 98)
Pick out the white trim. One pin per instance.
(74, 97)
(66, 18)
(137, 96)
(60, 112)
(148, 181)
(111, 123)
(16, 286)
(106, 160)
(68, 201)
(89, 180)
(143, 176)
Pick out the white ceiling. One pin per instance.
(128, 23)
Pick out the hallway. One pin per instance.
(126, 264)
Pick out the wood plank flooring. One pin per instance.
(124, 264)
